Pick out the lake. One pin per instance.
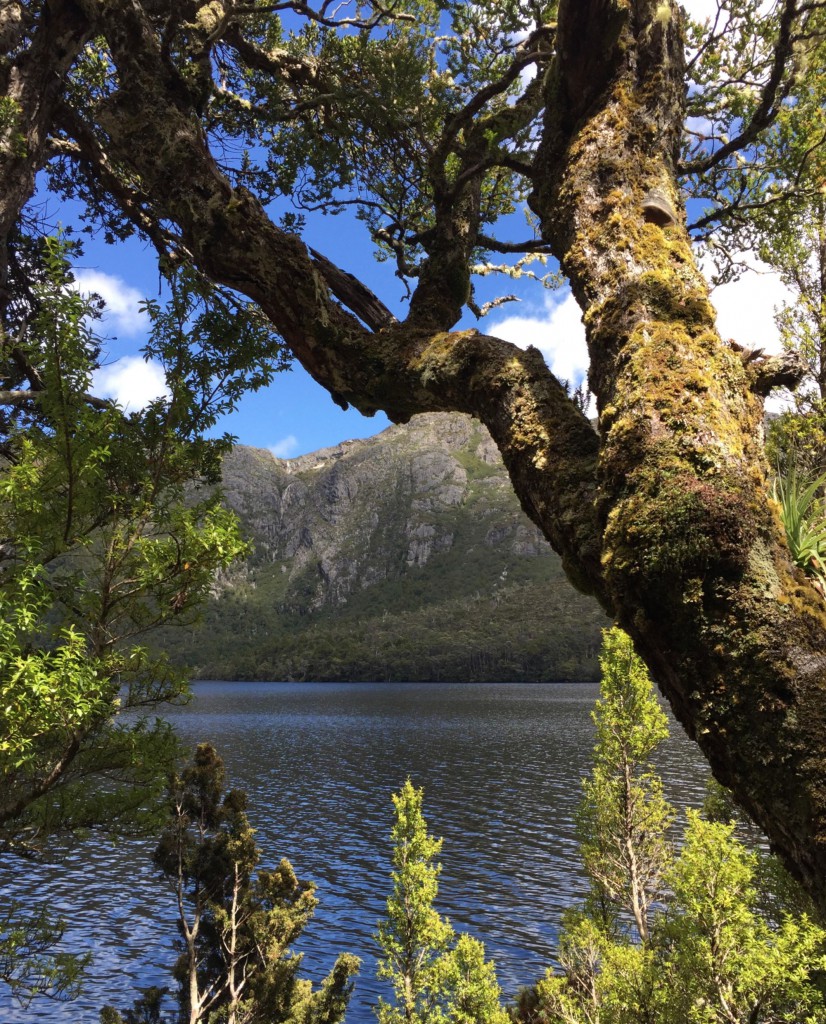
(500, 765)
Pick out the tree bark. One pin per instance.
(31, 85)
(665, 516)
(694, 561)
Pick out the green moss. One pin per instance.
(692, 310)
(209, 16)
(806, 602)
(678, 528)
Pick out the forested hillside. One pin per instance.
(404, 557)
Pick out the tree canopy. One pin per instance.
(213, 129)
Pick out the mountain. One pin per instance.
(401, 557)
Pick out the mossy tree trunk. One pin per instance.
(693, 559)
(665, 517)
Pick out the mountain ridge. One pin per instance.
(403, 557)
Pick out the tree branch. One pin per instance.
(776, 89)
(18, 397)
(355, 296)
(529, 245)
(88, 149)
(32, 84)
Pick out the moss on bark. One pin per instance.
(666, 517)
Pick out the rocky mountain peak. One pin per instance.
(403, 556)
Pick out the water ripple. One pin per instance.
(501, 766)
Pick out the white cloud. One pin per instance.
(746, 308)
(699, 10)
(556, 330)
(700, 126)
(284, 448)
(123, 311)
(131, 382)
(745, 312)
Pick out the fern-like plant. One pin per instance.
(804, 519)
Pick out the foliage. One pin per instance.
(28, 964)
(804, 520)
(147, 1009)
(797, 439)
(795, 246)
(717, 949)
(214, 347)
(472, 627)
(101, 544)
(236, 920)
(436, 975)
(107, 533)
(763, 198)
(720, 958)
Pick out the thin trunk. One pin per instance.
(194, 992)
(639, 902)
(235, 985)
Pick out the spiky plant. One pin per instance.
(804, 519)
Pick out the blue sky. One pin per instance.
(295, 415)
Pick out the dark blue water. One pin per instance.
(501, 766)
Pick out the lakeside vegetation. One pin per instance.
(684, 918)
(212, 132)
(520, 631)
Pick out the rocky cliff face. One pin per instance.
(346, 518)
(405, 556)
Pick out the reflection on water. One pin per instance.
(501, 767)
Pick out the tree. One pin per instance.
(725, 945)
(581, 108)
(437, 976)
(100, 545)
(236, 920)
(721, 954)
(714, 957)
(107, 531)
(624, 819)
